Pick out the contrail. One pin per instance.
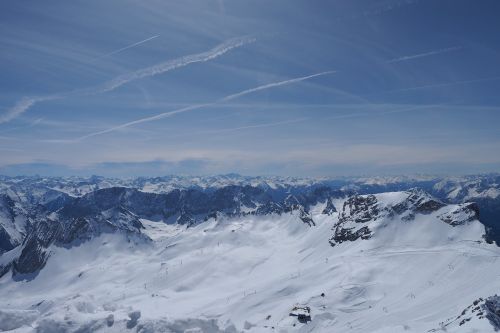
(144, 120)
(24, 104)
(176, 63)
(199, 106)
(275, 84)
(426, 54)
(127, 47)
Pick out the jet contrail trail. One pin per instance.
(128, 47)
(199, 106)
(24, 104)
(274, 84)
(145, 120)
(176, 63)
(426, 54)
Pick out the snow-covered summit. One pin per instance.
(362, 216)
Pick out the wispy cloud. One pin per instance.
(426, 54)
(378, 9)
(199, 106)
(10, 149)
(144, 120)
(383, 113)
(24, 104)
(241, 128)
(438, 85)
(277, 123)
(128, 47)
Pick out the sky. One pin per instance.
(130, 88)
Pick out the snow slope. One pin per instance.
(248, 273)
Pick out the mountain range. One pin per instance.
(250, 254)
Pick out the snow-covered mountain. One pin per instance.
(245, 254)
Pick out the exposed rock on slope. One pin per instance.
(13, 221)
(57, 218)
(67, 228)
(329, 208)
(361, 215)
(461, 214)
(482, 310)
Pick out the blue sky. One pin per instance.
(307, 88)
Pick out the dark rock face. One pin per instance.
(356, 210)
(303, 314)
(134, 317)
(9, 235)
(330, 208)
(269, 209)
(490, 211)
(345, 234)
(35, 251)
(7, 243)
(306, 217)
(185, 217)
(192, 206)
(492, 309)
(359, 209)
(67, 228)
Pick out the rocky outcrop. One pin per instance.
(417, 202)
(329, 208)
(360, 209)
(492, 310)
(35, 248)
(12, 221)
(306, 217)
(356, 211)
(481, 309)
(350, 235)
(7, 241)
(461, 214)
(362, 213)
(303, 313)
(67, 229)
(185, 217)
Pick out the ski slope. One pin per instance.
(247, 274)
